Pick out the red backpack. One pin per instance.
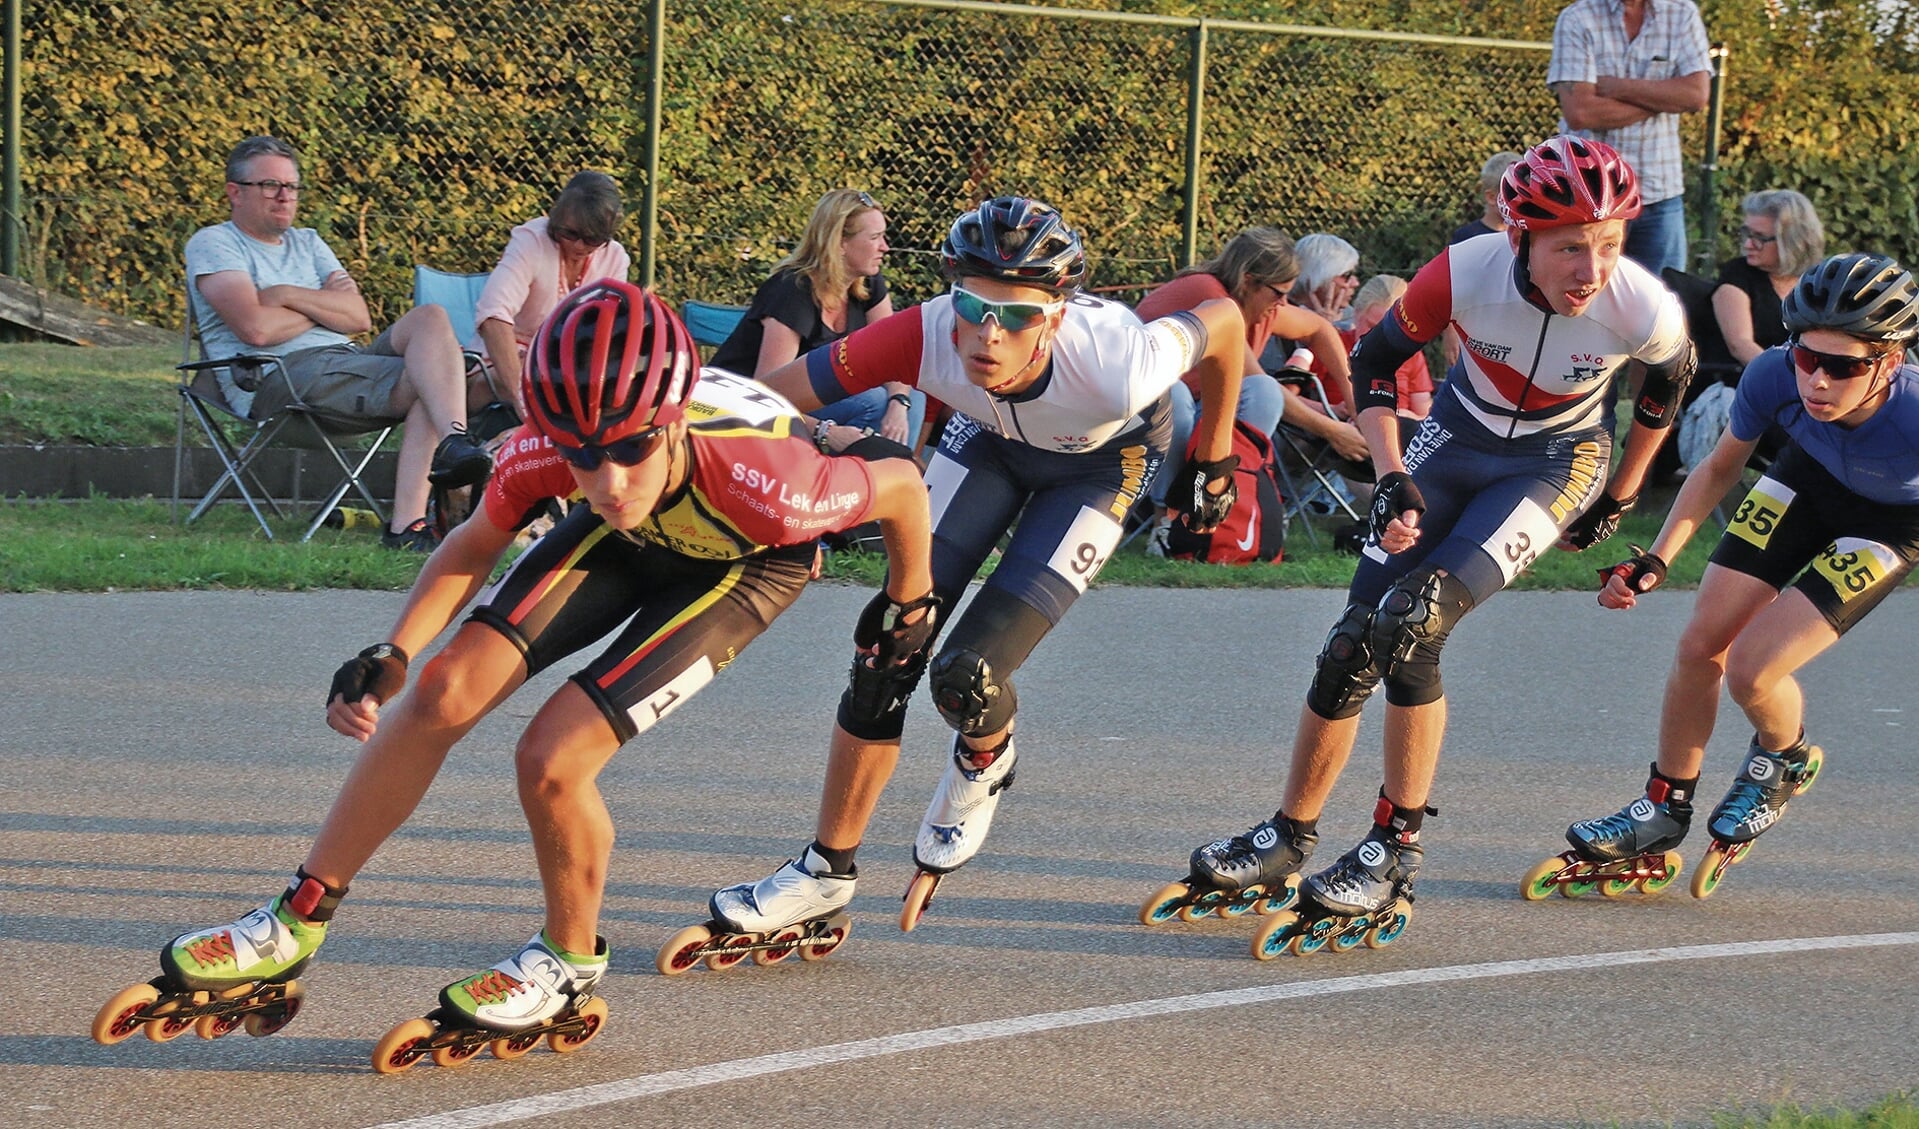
(1256, 528)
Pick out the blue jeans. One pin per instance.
(869, 407)
(1261, 403)
(1658, 237)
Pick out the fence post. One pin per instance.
(10, 207)
(655, 86)
(1709, 168)
(1195, 123)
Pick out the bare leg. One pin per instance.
(1413, 737)
(410, 487)
(435, 368)
(1787, 635)
(1320, 750)
(1727, 602)
(561, 754)
(856, 774)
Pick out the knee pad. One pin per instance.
(873, 708)
(969, 696)
(1345, 674)
(1410, 626)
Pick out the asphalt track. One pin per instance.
(164, 766)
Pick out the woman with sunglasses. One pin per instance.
(1829, 531)
(1060, 422)
(704, 497)
(545, 260)
(1779, 240)
(828, 287)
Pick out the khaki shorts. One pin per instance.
(347, 386)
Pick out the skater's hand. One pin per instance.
(1621, 584)
(1209, 508)
(893, 634)
(361, 685)
(357, 720)
(1397, 504)
(1600, 521)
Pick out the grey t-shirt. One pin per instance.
(301, 258)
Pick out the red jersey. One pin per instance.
(755, 480)
(1186, 292)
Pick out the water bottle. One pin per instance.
(346, 517)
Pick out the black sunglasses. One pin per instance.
(631, 451)
(564, 234)
(1839, 366)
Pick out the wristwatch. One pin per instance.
(900, 398)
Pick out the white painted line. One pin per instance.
(568, 1101)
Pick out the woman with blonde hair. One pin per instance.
(1780, 240)
(828, 287)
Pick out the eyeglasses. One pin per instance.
(274, 187)
(568, 235)
(1013, 317)
(1839, 366)
(1748, 235)
(631, 451)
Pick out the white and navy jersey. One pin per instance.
(1523, 370)
(1106, 372)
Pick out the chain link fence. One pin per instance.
(430, 127)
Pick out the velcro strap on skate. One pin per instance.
(977, 759)
(1663, 789)
(311, 898)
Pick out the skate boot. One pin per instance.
(798, 908)
(1630, 849)
(1257, 870)
(216, 980)
(957, 820)
(1755, 802)
(542, 991)
(1364, 898)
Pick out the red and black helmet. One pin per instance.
(1568, 180)
(609, 362)
(1017, 240)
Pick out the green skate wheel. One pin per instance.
(119, 1017)
(403, 1046)
(1615, 885)
(1578, 888)
(1711, 869)
(1388, 930)
(1541, 881)
(591, 1019)
(1164, 905)
(1653, 884)
(1815, 760)
(1275, 933)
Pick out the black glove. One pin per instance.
(1210, 509)
(882, 628)
(873, 448)
(377, 672)
(1600, 521)
(1644, 572)
(1396, 493)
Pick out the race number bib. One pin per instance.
(1528, 531)
(1084, 548)
(1852, 565)
(1757, 516)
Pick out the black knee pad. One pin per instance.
(873, 708)
(969, 696)
(1410, 626)
(1344, 674)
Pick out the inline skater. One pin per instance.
(670, 542)
(1838, 509)
(1060, 414)
(1513, 458)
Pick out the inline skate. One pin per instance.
(1630, 849)
(1758, 797)
(1364, 898)
(799, 908)
(956, 821)
(541, 992)
(1256, 871)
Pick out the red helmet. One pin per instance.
(1568, 180)
(609, 362)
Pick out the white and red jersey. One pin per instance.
(755, 480)
(1107, 368)
(1526, 370)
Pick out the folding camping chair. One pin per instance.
(459, 296)
(239, 441)
(1310, 456)
(710, 322)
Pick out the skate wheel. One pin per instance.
(403, 1046)
(268, 1020)
(789, 937)
(1615, 885)
(513, 1046)
(1349, 938)
(1712, 868)
(214, 1026)
(119, 1017)
(1542, 881)
(457, 1053)
(1276, 900)
(682, 950)
(1275, 933)
(838, 928)
(591, 1017)
(1314, 937)
(1652, 884)
(1206, 904)
(919, 895)
(1386, 931)
(1578, 887)
(1815, 760)
(178, 1020)
(1164, 905)
(730, 953)
(1237, 905)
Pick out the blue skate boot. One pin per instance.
(1758, 797)
(1365, 898)
(1630, 849)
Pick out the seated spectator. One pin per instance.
(1328, 275)
(545, 260)
(1256, 270)
(827, 288)
(1781, 239)
(1415, 378)
(1489, 219)
(261, 285)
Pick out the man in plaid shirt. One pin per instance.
(1624, 70)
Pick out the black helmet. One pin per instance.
(1870, 297)
(1016, 240)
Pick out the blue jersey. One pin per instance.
(1878, 460)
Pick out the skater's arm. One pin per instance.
(1703, 489)
(906, 527)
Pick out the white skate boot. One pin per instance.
(526, 989)
(804, 889)
(962, 809)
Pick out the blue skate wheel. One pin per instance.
(1164, 905)
(1349, 938)
(1315, 937)
(1275, 933)
(1388, 929)
(1279, 899)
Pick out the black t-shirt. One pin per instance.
(788, 299)
(1768, 322)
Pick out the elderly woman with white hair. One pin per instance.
(1781, 239)
(1328, 276)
